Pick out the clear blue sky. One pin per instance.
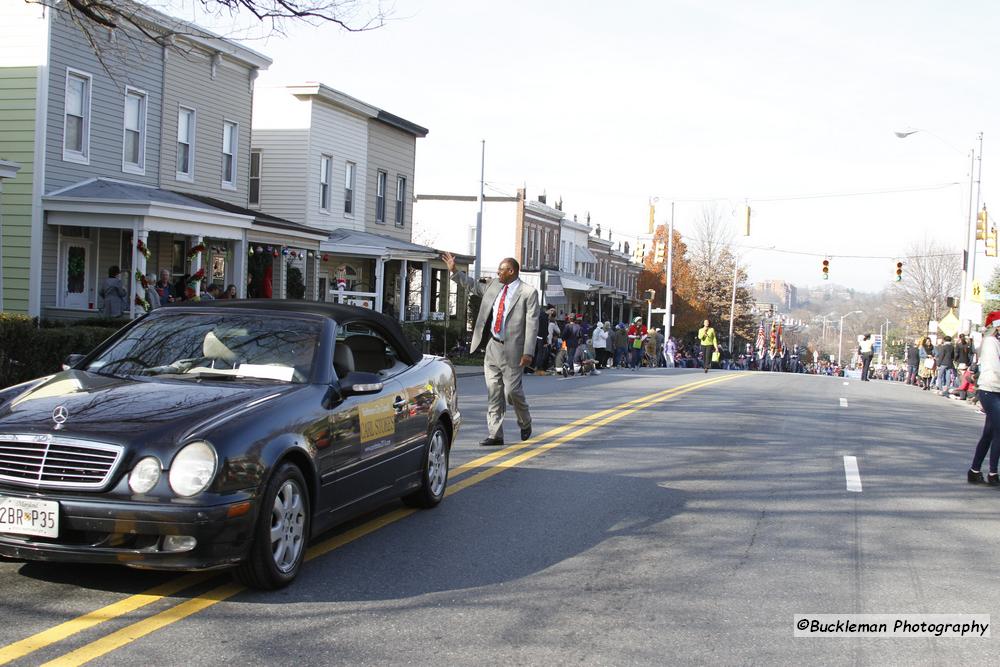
(607, 104)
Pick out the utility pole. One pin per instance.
(732, 307)
(668, 316)
(479, 217)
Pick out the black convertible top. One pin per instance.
(335, 311)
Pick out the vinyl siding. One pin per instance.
(283, 189)
(132, 62)
(227, 97)
(343, 136)
(18, 86)
(394, 152)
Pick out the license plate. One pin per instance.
(26, 516)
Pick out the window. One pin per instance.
(400, 200)
(349, 188)
(325, 165)
(134, 133)
(254, 178)
(76, 124)
(380, 183)
(185, 144)
(230, 141)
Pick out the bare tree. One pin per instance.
(932, 272)
(96, 17)
(713, 237)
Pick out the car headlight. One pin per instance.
(193, 469)
(144, 476)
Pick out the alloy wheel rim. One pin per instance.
(287, 526)
(437, 464)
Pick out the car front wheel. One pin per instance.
(281, 532)
(434, 476)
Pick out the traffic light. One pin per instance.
(659, 252)
(826, 269)
(650, 294)
(982, 233)
(991, 243)
(899, 271)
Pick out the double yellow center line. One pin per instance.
(517, 454)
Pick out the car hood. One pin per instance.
(124, 411)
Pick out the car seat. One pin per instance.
(369, 353)
(343, 359)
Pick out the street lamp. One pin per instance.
(840, 343)
(966, 309)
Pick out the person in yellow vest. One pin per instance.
(706, 336)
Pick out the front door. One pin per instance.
(74, 278)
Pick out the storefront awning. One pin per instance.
(574, 282)
(554, 294)
(583, 254)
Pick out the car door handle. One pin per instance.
(400, 403)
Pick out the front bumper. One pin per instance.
(131, 534)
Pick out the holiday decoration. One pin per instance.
(195, 251)
(274, 252)
(311, 254)
(196, 278)
(141, 279)
(141, 247)
(250, 251)
(142, 303)
(284, 251)
(326, 257)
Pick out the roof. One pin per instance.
(402, 124)
(342, 99)
(108, 189)
(261, 219)
(193, 33)
(334, 311)
(583, 254)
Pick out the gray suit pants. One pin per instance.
(503, 386)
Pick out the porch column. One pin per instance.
(314, 283)
(379, 283)
(403, 271)
(426, 296)
(135, 263)
(239, 265)
(196, 264)
(139, 262)
(282, 281)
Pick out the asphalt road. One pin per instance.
(650, 520)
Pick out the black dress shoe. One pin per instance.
(492, 442)
(976, 477)
(993, 479)
(526, 432)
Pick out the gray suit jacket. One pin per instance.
(522, 322)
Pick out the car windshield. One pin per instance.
(226, 346)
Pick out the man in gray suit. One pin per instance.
(509, 311)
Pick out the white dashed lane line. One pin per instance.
(852, 474)
(843, 402)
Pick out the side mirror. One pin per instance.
(357, 383)
(72, 360)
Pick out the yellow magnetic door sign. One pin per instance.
(378, 419)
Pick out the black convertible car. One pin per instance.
(219, 434)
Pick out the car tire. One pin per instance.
(281, 532)
(434, 471)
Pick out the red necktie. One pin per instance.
(499, 323)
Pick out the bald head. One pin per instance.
(508, 270)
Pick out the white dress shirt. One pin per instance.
(511, 291)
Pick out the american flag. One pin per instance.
(760, 336)
(780, 343)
